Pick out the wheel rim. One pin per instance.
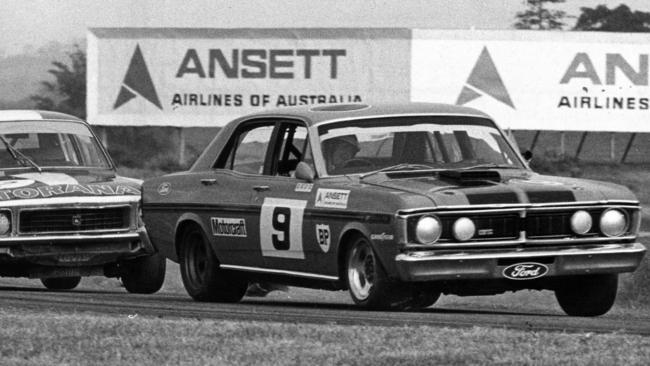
(197, 260)
(361, 271)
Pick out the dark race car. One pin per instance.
(64, 213)
(396, 203)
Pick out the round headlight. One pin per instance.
(428, 229)
(5, 224)
(613, 223)
(464, 229)
(581, 222)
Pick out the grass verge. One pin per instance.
(27, 339)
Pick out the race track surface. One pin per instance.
(297, 310)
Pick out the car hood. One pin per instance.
(519, 187)
(32, 185)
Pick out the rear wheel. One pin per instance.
(61, 283)
(202, 277)
(587, 295)
(367, 282)
(144, 275)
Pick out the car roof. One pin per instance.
(317, 114)
(35, 115)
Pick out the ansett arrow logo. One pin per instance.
(484, 79)
(137, 81)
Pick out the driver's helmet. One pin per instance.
(335, 142)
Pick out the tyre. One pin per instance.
(591, 295)
(202, 277)
(367, 282)
(61, 283)
(144, 275)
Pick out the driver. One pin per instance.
(339, 150)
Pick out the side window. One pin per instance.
(249, 150)
(291, 149)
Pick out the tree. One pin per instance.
(539, 17)
(620, 19)
(67, 93)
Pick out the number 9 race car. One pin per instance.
(64, 213)
(396, 203)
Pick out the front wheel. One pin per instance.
(591, 295)
(61, 283)
(367, 281)
(202, 277)
(144, 275)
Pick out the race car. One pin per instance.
(396, 203)
(64, 213)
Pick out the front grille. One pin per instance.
(73, 220)
(492, 227)
(488, 227)
(556, 224)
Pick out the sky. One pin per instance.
(32, 24)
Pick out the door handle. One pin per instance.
(208, 181)
(261, 188)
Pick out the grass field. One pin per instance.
(81, 339)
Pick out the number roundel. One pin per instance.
(281, 228)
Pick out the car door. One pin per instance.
(289, 240)
(233, 220)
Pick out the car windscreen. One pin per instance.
(50, 144)
(420, 142)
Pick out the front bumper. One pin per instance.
(489, 264)
(75, 249)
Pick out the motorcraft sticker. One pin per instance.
(332, 198)
(525, 271)
(323, 236)
(222, 226)
(67, 190)
(304, 187)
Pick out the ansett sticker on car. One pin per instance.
(332, 198)
(525, 271)
(222, 226)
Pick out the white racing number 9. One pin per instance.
(281, 228)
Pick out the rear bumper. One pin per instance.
(458, 265)
(76, 249)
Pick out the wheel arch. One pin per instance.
(185, 222)
(346, 237)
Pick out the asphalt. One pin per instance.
(176, 305)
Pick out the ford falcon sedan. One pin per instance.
(396, 203)
(64, 213)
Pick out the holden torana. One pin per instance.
(396, 203)
(64, 213)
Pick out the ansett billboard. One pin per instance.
(206, 77)
(538, 80)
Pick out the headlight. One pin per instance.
(613, 223)
(428, 229)
(5, 223)
(581, 222)
(463, 229)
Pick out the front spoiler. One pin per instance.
(458, 265)
(76, 249)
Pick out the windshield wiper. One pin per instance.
(401, 166)
(19, 156)
(489, 165)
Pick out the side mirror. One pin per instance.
(304, 172)
(528, 155)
